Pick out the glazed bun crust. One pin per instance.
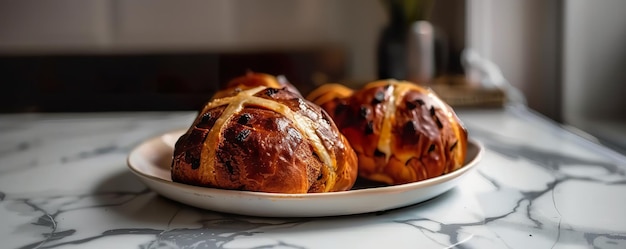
(329, 96)
(265, 140)
(400, 131)
(251, 80)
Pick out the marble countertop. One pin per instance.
(64, 183)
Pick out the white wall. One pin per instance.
(568, 57)
(118, 26)
(595, 60)
(594, 69)
(522, 38)
(34, 26)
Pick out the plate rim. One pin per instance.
(471, 164)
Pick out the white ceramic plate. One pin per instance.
(151, 160)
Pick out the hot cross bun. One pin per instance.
(401, 132)
(264, 139)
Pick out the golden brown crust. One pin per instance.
(266, 140)
(251, 80)
(400, 131)
(330, 96)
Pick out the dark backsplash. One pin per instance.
(147, 82)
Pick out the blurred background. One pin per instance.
(565, 59)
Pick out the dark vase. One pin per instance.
(392, 46)
(392, 53)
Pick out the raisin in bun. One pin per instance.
(266, 140)
(400, 131)
(251, 80)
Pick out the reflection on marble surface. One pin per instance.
(64, 184)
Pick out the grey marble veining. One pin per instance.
(64, 184)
